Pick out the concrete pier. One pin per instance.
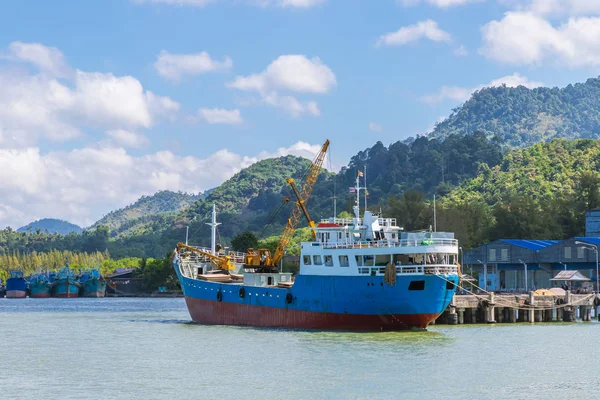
(513, 307)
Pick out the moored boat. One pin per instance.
(40, 286)
(360, 274)
(16, 285)
(66, 284)
(93, 284)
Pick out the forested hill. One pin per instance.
(50, 225)
(541, 192)
(521, 117)
(161, 202)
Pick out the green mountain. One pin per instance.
(146, 208)
(539, 192)
(52, 226)
(522, 117)
(246, 201)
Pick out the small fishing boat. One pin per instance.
(40, 286)
(66, 284)
(16, 285)
(93, 284)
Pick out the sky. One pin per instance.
(102, 102)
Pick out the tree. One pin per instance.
(244, 241)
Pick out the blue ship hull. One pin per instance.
(16, 288)
(362, 303)
(65, 288)
(40, 289)
(94, 287)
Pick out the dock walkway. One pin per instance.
(519, 307)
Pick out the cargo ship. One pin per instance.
(16, 285)
(40, 286)
(93, 284)
(66, 284)
(359, 274)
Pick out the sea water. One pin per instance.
(147, 349)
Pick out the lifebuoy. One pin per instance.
(242, 293)
(560, 302)
(219, 296)
(289, 298)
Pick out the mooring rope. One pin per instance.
(516, 305)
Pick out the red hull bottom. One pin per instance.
(16, 294)
(221, 313)
(40, 296)
(66, 296)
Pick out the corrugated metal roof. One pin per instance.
(592, 240)
(570, 276)
(530, 244)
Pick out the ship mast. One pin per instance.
(213, 237)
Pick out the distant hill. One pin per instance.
(52, 226)
(162, 202)
(540, 192)
(521, 117)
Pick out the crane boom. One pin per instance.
(222, 262)
(302, 197)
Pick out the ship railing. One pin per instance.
(425, 269)
(385, 222)
(386, 243)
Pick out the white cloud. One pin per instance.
(425, 29)
(555, 8)
(374, 127)
(221, 116)
(460, 94)
(438, 3)
(82, 184)
(34, 105)
(300, 3)
(125, 138)
(461, 51)
(175, 66)
(292, 73)
(47, 59)
(527, 38)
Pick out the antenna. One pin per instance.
(366, 191)
(434, 216)
(187, 230)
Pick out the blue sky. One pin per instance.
(106, 101)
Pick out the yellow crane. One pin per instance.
(262, 257)
(221, 262)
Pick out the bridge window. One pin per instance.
(306, 260)
(359, 260)
(328, 261)
(492, 255)
(567, 252)
(382, 259)
(317, 260)
(344, 262)
(416, 285)
(368, 261)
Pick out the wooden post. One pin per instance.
(531, 311)
(491, 310)
(512, 315)
(568, 310)
(461, 316)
